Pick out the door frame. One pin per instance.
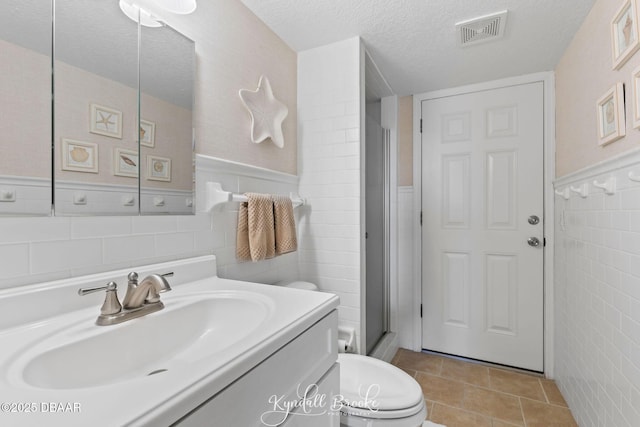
(548, 80)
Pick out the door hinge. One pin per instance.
(420, 218)
(544, 241)
(420, 310)
(420, 125)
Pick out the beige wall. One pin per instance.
(583, 75)
(77, 89)
(233, 49)
(405, 141)
(25, 112)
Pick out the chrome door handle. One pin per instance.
(533, 241)
(533, 219)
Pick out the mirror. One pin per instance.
(95, 103)
(107, 73)
(167, 71)
(25, 110)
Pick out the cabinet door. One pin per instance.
(327, 389)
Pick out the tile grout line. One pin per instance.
(544, 392)
(524, 419)
(455, 408)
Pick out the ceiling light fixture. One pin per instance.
(140, 8)
(133, 11)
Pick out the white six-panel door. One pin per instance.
(482, 183)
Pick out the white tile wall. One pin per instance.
(242, 178)
(597, 297)
(39, 249)
(329, 169)
(34, 250)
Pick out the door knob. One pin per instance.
(533, 241)
(533, 219)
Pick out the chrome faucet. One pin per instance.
(141, 298)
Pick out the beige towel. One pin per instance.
(284, 224)
(243, 253)
(255, 240)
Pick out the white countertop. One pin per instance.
(149, 400)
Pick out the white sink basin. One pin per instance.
(187, 330)
(152, 370)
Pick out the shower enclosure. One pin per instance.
(380, 120)
(377, 235)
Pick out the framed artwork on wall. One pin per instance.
(106, 121)
(79, 156)
(125, 162)
(158, 168)
(611, 120)
(147, 133)
(625, 36)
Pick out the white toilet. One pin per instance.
(396, 396)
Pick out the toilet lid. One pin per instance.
(369, 383)
(297, 284)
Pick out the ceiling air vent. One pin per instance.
(482, 29)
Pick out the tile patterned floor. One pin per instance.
(466, 394)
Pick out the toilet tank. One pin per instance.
(297, 284)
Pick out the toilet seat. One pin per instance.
(383, 415)
(394, 389)
(398, 397)
(395, 397)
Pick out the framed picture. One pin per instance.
(635, 97)
(625, 36)
(79, 156)
(158, 168)
(106, 121)
(125, 162)
(147, 133)
(611, 120)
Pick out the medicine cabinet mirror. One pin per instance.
(25, 107)
(120, 123)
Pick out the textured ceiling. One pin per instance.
(414, 43)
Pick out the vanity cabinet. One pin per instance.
(260, 396)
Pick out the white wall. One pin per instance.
(240, 178)
(406, 285)
(33, 250)
(329, 169)
(597, 297)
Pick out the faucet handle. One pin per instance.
(111, 303)
(111, 286)
(133, 278)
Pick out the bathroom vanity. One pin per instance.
(220, 353)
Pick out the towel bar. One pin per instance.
(216, 196)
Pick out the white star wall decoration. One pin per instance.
(267, 113)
